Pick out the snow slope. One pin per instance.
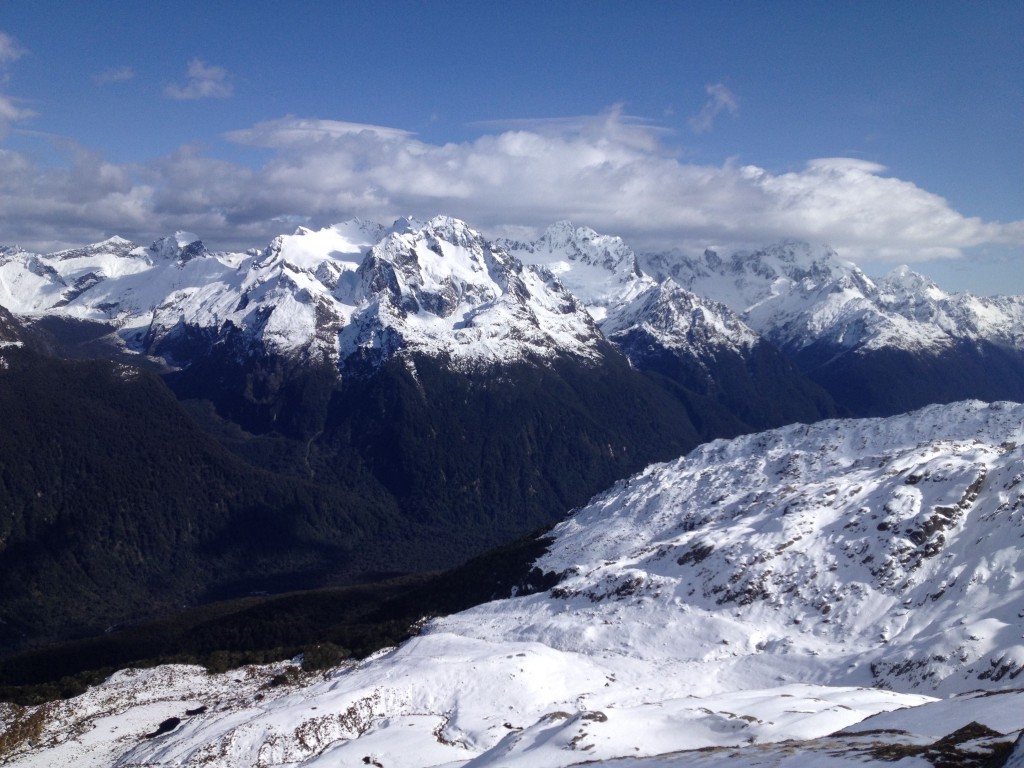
(785, 585)
(872, 552)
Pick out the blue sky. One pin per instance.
(890, 130)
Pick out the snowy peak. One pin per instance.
(444, 289)
(904, 283)
(586, 246)
(293, 298)
(181, 247)
(113, 246)
(797, 295)
(600, 269)
(436, 268)
(960, 316)
(748, 280)
(680, 320)
(346, 242)
(745, 278)
(454, 232)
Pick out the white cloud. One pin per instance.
(9, 111)
(9, 49)
(204, 82)
(607, 172)
(116, 75)
(720, 99)
(611, 124)
(295, 132)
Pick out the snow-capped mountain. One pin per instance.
(286, 298)
(878, 346)
(349, 297)
(603, 272)
(113, 281)
(353, 289)
(600, 269)
(913, 296)
(694, 342)
(441, 288)
(796, 294)
(784, 585)
(469, 297)
(680, 321)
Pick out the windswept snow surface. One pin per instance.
(780, 586)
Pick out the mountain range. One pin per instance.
(362, 402)
(878, 346)
(358, 294)
(439, 387)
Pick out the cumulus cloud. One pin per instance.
(608, 172)
(204, 82)
(720, 99)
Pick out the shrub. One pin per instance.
(323, 656)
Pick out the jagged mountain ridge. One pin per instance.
(345, 292)
(791, 293)
(436, 287)
(691, 615)
(443, 289)
(348, 297)
(693, 342)
(365, 279)
(879, 347)
(797, 294)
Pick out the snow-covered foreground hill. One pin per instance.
(780, 586)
